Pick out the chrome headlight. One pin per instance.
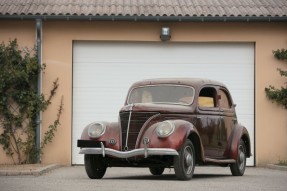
(96, 130)
(165, 129)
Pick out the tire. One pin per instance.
(95, 166)
(184, 163)
(156, 170)
(238, 168)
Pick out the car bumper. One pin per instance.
(127, 154)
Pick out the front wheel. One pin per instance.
(95, 166)
(184, 163)
(238, 168)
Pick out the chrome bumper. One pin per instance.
(127, 154)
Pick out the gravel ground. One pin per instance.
(126, 179)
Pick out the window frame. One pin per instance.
(216, 108)
(228, 95)
(170, 103)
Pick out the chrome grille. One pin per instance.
(136, 123)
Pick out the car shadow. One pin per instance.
(167, 177)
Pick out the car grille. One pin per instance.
(137, 121)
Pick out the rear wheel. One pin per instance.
(95, 166)
(238, 168)
(184, 163)
(156, 170)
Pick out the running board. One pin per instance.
(220, 161)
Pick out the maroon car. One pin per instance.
(169, 123)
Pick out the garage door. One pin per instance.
(104, 71)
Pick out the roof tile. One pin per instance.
(146, 7)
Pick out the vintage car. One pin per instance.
(169, 123)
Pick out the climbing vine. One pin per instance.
(20, 104)
(279, 95)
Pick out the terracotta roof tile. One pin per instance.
(146, 7)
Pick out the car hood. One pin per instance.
(158, 107)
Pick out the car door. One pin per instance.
(208, 121)
(227, 118)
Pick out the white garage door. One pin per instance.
(104, 71)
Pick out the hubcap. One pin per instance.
(188, 160)
(241, 158)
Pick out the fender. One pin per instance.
(238, 132)
(183, 129)
(113, 133)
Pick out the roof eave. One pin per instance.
(150, 18)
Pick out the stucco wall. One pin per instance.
(25, 33)
(58, 37)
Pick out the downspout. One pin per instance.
(39, 83)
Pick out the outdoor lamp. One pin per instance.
(165, 34)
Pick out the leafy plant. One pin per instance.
(282, 162)
(274, 94)
(20, 104)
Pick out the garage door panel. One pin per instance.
(104, 71)
(122, 51)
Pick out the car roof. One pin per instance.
(194, 82)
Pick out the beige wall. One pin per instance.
(25, 33)
(58, 36)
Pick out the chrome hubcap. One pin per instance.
(241, 158)
(188, 160)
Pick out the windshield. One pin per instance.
(172, 94)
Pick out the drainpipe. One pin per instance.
(39, 82)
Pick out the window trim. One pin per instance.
(214, 109)
(170, 103)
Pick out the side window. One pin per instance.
(207, 98)
(224, 101)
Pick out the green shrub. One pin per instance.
(279, 95)
(20, 103)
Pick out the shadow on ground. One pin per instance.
(165, 177)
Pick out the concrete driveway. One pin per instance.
(139, 179)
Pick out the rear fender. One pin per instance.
(239, 132)
(111, 138)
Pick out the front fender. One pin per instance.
(175, 141)
(111, 138)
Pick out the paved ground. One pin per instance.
(26, 169)
(205, 178)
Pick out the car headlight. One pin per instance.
(96, 129)
(165, 129)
